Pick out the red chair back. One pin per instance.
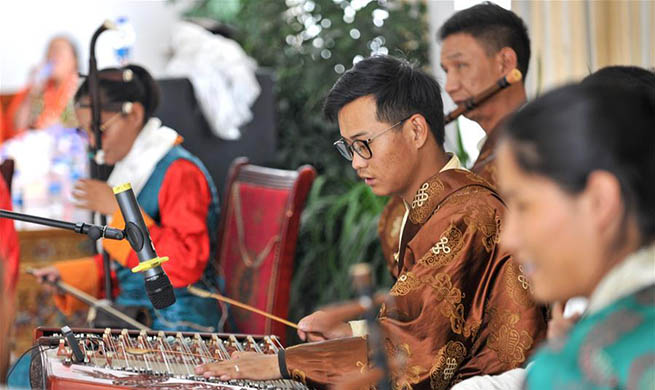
(260, 216)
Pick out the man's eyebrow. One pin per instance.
(361, 133)
(454, 55)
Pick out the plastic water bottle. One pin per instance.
(125, 38)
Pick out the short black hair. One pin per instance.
(570, 132)
(141, 88)
(400, 90)
(494, 27)
(626, 75)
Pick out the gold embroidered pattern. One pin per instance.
(403, 376)
(405, 284)
(451, 306)
(423, 203)
(445, 250)
(448, 358)
(517, 285)
(442, 245)
(362, 367)
(298, 375)
(450, 299)
(509, 343)
(421, 196)
(486, 221)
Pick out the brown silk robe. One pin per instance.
(462, 305)
(485, 165)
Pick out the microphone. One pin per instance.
(158, 286)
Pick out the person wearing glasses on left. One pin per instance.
(174, 190)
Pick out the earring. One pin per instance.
(126, 108)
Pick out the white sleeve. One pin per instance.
(508, 380)
(359, 328)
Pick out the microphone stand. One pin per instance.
(362, 277)
(93, 231)
(99, 171)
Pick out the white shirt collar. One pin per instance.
(632, 274)
(152, 143)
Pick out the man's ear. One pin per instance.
(419, 129)
(507, 60)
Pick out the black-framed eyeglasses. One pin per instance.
(361, 146)
(119, 108)
(104, 126)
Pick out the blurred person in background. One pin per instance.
(47, 99)
(177, 196)
(564, 314)
(576, 169)
(627, 75)
(479, 45)
(9, 257)
(6, 319)
(9, 248)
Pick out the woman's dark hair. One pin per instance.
(626, 75)
(399, 88)
(573, 131)
(115, 89)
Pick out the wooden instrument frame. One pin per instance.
(62, 374)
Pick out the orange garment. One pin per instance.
(46, 108)
(9, 248)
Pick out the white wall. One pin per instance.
(27, 25)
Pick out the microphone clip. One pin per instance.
(95, 232)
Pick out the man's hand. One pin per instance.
(243, 365)
(95, 195)
(50, 274)
(559, 326)
(319, 326)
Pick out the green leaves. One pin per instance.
(337, 230)
(310, 44)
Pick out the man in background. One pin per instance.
(480, 45)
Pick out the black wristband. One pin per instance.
(282, 362)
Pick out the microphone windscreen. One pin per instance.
(160, 291)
